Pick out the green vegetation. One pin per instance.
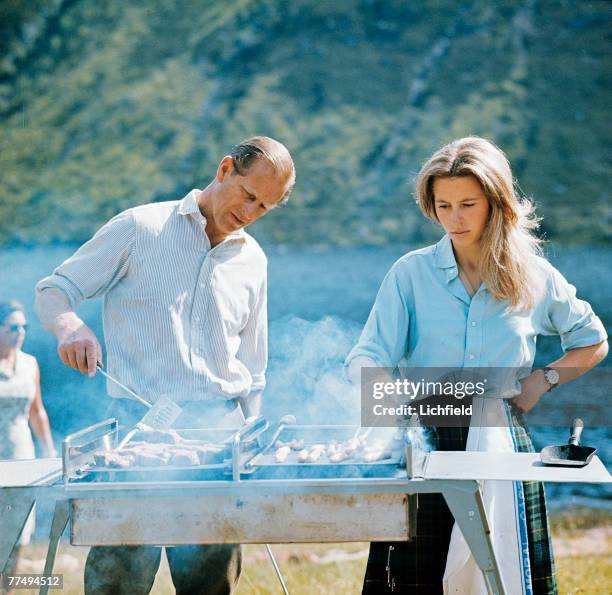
(589, 575)
(104, 105)
(573, 521)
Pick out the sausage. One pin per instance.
(282, 453)
(338, 457)
(376, 455)
(113, 460)
(316, 452)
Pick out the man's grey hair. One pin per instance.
(246, 153)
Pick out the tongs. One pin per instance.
(160, 416)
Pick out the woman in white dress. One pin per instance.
(21, 405)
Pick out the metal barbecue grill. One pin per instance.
(240, 496)
(234, 448)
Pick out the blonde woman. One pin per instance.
(477, 298)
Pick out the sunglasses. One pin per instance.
(13, 328)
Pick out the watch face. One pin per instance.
(552, 376)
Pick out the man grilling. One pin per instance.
(185, 318)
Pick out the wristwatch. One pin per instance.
(552, 377)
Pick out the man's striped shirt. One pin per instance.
(181, 319)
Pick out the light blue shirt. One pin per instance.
(424, 316)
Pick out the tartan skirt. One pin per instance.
(417, 566)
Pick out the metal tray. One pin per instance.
(239, 446)
(264, 465)
(155, 474)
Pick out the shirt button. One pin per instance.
(472, 356)
(473, 324)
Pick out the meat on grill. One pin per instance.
(377, 455)
(159, 454)
(338, 457)
(113, 460)
(315, 453)
(282, 453)
(295, 444)
(333, 452)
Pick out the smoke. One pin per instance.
(306, 378)
(306, 373)
(417, 436)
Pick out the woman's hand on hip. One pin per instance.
(533, 387)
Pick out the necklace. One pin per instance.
(466, 280)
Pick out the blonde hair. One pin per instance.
(273, 152)
(508, 244)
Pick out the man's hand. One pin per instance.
(534, 386)
(77, 344)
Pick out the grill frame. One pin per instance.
(455, 475)
(309, 503)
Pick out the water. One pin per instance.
(318, 301)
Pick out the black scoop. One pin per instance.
(570, 454)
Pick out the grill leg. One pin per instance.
(465, 502)
(14, 511)
(61, 514)
(277, 569)
(413, 507)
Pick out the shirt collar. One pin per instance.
(189, 206)
(444, 258)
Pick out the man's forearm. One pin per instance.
(251, 405)
(54, 310)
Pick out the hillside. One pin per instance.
(107, 104)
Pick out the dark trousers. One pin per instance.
(131, 570)
(417, 567)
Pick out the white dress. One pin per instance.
(17, 392)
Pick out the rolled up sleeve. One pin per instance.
(569, 317)
(253, 350)
(384, 338)
(97, 265)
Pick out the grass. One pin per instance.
(591, 575)
(582, 539)
(573, 521)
